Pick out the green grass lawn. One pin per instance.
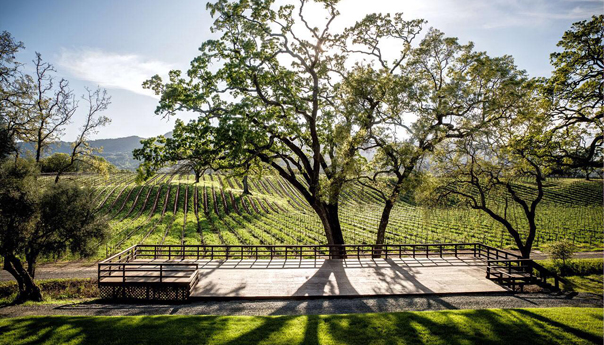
(495, 326)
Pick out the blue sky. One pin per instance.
(118, 44)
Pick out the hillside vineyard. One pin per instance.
(173, 209)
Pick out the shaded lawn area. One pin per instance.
(494, 326)
(593, 283)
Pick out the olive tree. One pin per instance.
(47, 222)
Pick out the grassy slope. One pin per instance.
(514, 326)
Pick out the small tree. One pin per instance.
(18, 216)
(190, 147)
(561, 252)
(53, 107)
(50, 222)
(81, 152)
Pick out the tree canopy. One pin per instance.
(48, 221)
(36, 219)
(190, 147)
(554, 125)
(285, 88)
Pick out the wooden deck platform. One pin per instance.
(309, 271)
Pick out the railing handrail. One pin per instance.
(508, 260)
(188, 251)
(147, 264)
(120, 253)
(499, 250)
(304, 245)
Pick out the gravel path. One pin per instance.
(314, 306)
(56, 271)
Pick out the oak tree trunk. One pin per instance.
(389, 204)
(333, 230)
(381, 233)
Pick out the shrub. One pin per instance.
(576, 267)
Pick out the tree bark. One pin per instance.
(197, 176)
(333, 230)
(246, 188)
(58, 175)
(381, 233)
(528, 246)
(28, 290)
(388, 206)
(31, 265)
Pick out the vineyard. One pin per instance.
(173, 209)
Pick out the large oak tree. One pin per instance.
(274, 83)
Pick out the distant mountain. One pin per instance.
(117, 151)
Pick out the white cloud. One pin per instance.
(573, 14)
(111, 70)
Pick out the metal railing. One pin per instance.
(226, 252)
(152, 272)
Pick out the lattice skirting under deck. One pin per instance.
(164, 293)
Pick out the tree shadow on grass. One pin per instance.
(114, 330)
(469, 326)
